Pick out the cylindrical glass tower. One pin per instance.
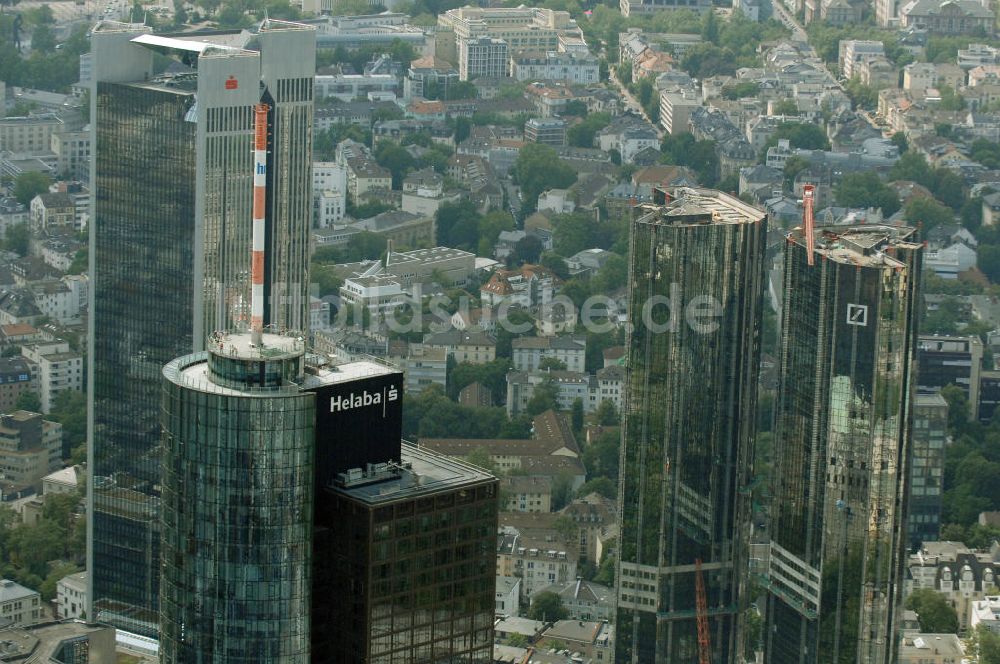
(236, 504)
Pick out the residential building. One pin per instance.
(949, 262)
(350, 87)
(365, 177)
(527, 353)
(50, 211)
(989, 395)
(429, 75)
(57, 368)
(685, 378)
(962, 576)
(569, 387)
(72, 150)
(947, 17)
(978, 54)
(532, 547)
(172, 178)
(930, 433)
(30, 449)
(475, 395)
(589, 638)
(840, 482)
(65, 480)
(950, 360)
(580, 68)
(482, 56)
(474, 347)
(918, 648)
(584, 600)
(508, 601)
(329, 183)
(986, 612)
(28, 135)
(596, 520)
(675, 111)
(526, 493)
(20, 605)
(527, 286)
(853, 51)
(645, 7)
(71, 596)
(422, 366)
(551, 451)
(550, 131)
(16, 378)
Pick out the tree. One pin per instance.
(986, 644)
(912, 166)
(800, 135)
(29, 401)
(548, 607)
(600, 485)
(899, 140)
(573, 233)
(29, 184)
(458, 224)
(537, 169)
(606, 413)
(935, 613)
(396, 159)
(861, 190)
(43, 39)
(927, 211)
(612, 275)
(576, 411)
(554, 364)
(545, 397)
(527, 250)
(556, 263)
(582, 133)
(18, 239)
(958, 406)
(69, 408)
(600, 458)
(480, 457)
(988, 260)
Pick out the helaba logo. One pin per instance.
(261, 168)
(340, 403)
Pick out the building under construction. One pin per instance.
(842, 441)
(695, 299)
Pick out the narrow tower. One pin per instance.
(695, 296)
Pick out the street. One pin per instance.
(632, 104)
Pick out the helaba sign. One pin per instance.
(340, 403)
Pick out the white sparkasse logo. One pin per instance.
(341, 403)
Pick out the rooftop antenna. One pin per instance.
(259, 200)
(807, 221)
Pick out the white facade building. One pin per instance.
(57, 367)
(71, 596)
(21, 605)
(482, 57)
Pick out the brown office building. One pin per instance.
(404, 565)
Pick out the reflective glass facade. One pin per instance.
(405, 569)
(237, 497)
(842, 444)
(170, 251)
(142, 271)
(689, 415)
(930, 431)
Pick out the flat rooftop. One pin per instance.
(693, 206)
(422, 473)
(864, 245)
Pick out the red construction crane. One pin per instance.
(808, 192)
(701, 608)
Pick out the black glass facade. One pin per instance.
(695, 296)
(142, 277)
(237, 498)
(930, 432)
(842, 444)
(405, 568)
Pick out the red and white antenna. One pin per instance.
(259, 199)
(807, 221)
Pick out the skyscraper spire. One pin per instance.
(259, 206)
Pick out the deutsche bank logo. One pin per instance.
(857, 314)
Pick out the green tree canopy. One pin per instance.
(862, 190)
(537, 169)
(547, 606)
(934, 611)
(29, 184)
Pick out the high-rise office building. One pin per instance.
(930, 431)
(170, 251)
(833, 569)
(950, 360)
(236, 504)
(696, 281)
(405, 560)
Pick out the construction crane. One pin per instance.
(808, 195)
(701, 609)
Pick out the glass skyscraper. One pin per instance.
(236, 504)
(833, 569)
(170, 252)
(696, 282)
